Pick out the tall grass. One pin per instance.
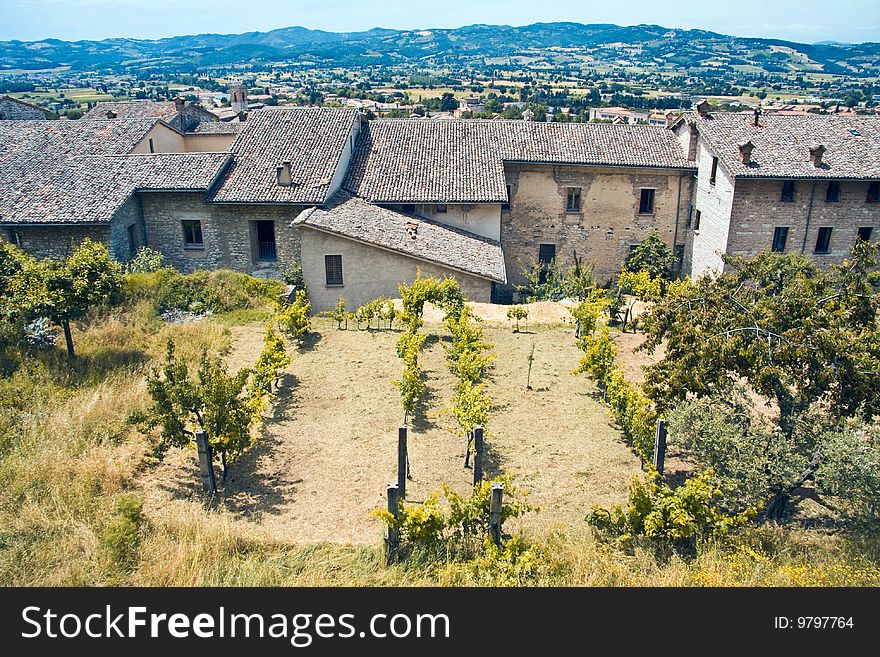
(70, 459)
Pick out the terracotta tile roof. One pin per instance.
(413, 236)
(425, 161)
(133, 109)
(217, 128)
(54, 138)
(86, 189)
(311, 139)
(782, 144)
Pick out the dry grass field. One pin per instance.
(328, 446)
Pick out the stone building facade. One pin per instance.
(12, 109)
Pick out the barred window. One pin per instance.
(333, 268)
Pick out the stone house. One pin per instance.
(363, 206)
(12, 109)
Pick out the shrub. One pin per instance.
(294, 318)
(517, 313)
(122, 537)
(660, 512)
(145, 261)
(293, 275)
(340, 313)
(268, 367)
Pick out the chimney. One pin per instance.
(179, 103)
(745, 151)
(816, 153)
(242, 116)
(757, 117)
(282, 173)
(703, 108)
(111, 114)
(670, 118)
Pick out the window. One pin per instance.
(132, 238)
(780, 236)
(441, 208)
(192, 234)
(832, 194)
(506, 205)
(864, 233)
(546, 256)
(573, 199)
(151, 146)
(646, 202)
(823, 240)
(787, 191)
(697, 220)
(333, 268)
(714, 174)
(873, 192)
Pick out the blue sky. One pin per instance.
(800, 20)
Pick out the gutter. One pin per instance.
(809, 216)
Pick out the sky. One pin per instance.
(794, 20)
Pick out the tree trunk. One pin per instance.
(68, 338)
(225, 465)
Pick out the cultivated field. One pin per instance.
(329, 445)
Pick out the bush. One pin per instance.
(293, 275)
(122, 537)
(659, 512)
(145, 261)
(294, 319)
(517, 313)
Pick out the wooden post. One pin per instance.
(206, 462)
(478, 454)
(495, 512)
(401, 462)
(393, 539)
(660, 446)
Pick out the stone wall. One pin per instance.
(479, 218)
(704, 246)
(369, 272)
(606, 226)
(758, 210)
(229, 237)
(57, 241)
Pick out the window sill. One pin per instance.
(821, 252)
(335, 285)
(646, 214)
(193, 247)
(574, 212)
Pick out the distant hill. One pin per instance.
(560, 43)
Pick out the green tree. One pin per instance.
(448, 102)
(653, 256)
(214, 401)
(63, 290)
(805, 340)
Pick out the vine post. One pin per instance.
(478, 454)
(495, 505)
(660, 446)
(206, 462)
(401, 462)
(393, 540)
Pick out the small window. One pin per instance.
(823, 240)
(152, 150)
(506, 205)
(333, 268)
(192, 234)
(546, 256)
(873, 192)
(787, 191)
(697, 220)
(864, 233)
(132, 238)
(832, 194)
(573, 199)
(780, 237)
(646, 202)
(441, 208)
(713, 176)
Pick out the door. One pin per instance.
(265, 234)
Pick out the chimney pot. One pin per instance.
(179, 103)
(242, 116)
(745, 151)
(816, 153)
(111, 114)
(703, 108)
(757, 116)
(283, 175)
